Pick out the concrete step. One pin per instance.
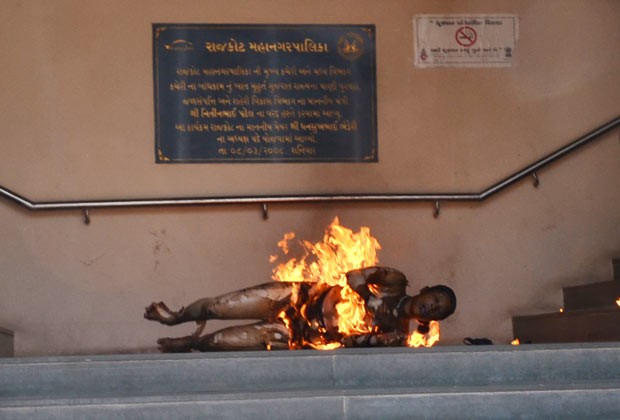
(580, 401)
(533, 381)
(594, 295)
(228, 372)
(593, 325)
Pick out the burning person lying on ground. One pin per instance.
(310, 319)
(323, 300)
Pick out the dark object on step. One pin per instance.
(477, 341)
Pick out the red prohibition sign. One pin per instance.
(466, 36)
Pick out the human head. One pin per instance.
(432, 304)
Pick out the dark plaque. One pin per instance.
(264, 93)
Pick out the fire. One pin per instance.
(351, 313)
(417, 339)
(515, 342)
(618, 301)
(325, 264)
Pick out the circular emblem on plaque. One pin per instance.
(466, 36)
(351, 46)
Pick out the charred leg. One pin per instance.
(176, 345)
(263, 302)
(198, 311)
(181, 344)
(158, 311)
(259, 302)
(258, 336)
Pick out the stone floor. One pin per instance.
(447, 382)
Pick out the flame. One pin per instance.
(618, 301)
(283, 245)
(327, 261)
(351, 313)
(325, 346)
(515, 342)
(324, 264)
(417, 339)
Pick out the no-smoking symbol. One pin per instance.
(466, 36)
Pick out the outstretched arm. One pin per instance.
(378, 281)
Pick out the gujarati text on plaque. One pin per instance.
(264, 93)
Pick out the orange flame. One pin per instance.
(515, 342)
(618, 301)
(351, 313)
(417, 339)
(326, 263)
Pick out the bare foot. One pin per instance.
(176, 345)
(160, 312)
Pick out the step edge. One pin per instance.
(313, 393)
(152, 358)
(573, 312)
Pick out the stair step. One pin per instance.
(598, 401)
(569, 326)
(448, 382)
(594, 295)
(228, 372)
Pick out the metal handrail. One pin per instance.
(313, 198)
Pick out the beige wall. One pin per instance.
(76, 121)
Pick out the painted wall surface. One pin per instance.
(76, 122)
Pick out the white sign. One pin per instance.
(465, 40)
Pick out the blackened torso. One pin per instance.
(382, 290)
